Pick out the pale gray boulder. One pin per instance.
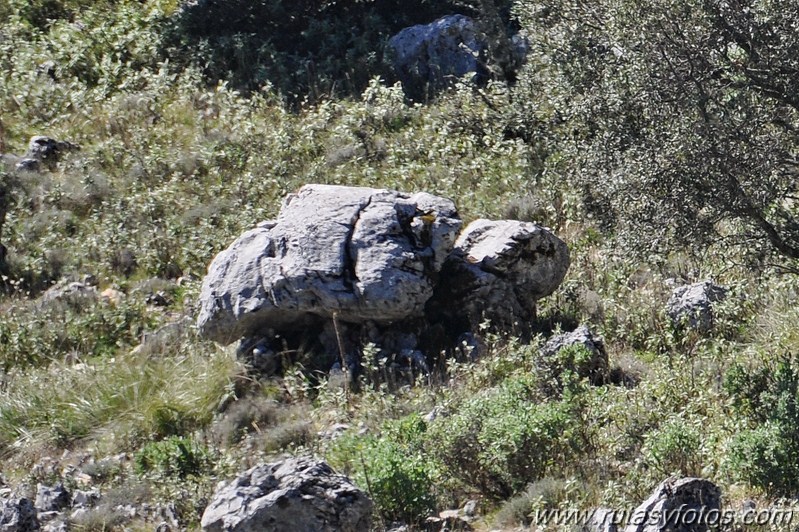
(497, 271)
(679, 505)
(352, 253)
(299, 494)
(432, 56)
(692, 305)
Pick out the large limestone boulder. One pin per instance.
(679, 505)
(352, 253)
(295, 494)
(431, 56)
(497, 271)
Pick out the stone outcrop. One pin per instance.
(43, 153)
(692, 305)
(343, 267)
(355, 254)
(429, 57)
(432, 56)
(678, 505)
(293, 494)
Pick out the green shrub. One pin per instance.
(504, 439)
(767, 454)
(393, 468)
(674, 447)
(174, 456)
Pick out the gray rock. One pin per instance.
(354, 253)
(51, 498)
(258, 354)
(85, 498)
(69, 292)
(596, 367)
(497, 271)
(429, 57)
(295, 494)
(58, 525)
(437, 54)
(18, 515)
(678, 505)
(28, 165)
(692, 305)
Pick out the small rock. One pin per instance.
(79, 514)
(334, 431)
(28, 165)
(595, 368)
(158, 299)
(47, 150)
(58, 525)
(692, 305)
(51, 498)
(69, 292)
(85, 499)
(470, 508)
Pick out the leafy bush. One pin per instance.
(767, 454)
(676, 119)
(174, 456)
(505, 438)
(393, 468)
(674, 447)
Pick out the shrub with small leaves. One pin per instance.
(174, 456)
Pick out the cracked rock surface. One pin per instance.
(497, 271)
(294, 494)
(355, 253)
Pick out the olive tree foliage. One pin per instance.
(677, 119)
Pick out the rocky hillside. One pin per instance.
(398, 265)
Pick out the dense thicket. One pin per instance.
(678, 119)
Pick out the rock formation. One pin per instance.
(342, 267)
(294, 494)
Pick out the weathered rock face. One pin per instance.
(354, 253)
(436, 54)
(497, 271)
(18, 515)
(692, 305)
(295, 494)
(678, 505)
(595, 368)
